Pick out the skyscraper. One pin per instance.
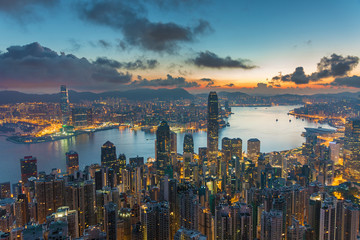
(110, 220)
(162, 148)
(271, 225)
(108, 155)
(155, 220)
(352, 150)
(64, 105)
(188, 143)
(212, 128)
(188, 154)
(72, 162)
(28, 168)
(253, 148)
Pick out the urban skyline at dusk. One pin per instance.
(255, 47)
(179, 120)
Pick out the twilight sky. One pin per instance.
(254, 46)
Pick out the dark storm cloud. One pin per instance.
(211, 60)
(169, 81)
(333, 66)
(33, 65)
(129, 17)
(138, 64)
(353, 81)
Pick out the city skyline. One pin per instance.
(262, 47)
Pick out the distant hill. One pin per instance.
(76, 97)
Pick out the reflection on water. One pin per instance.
(244, 123)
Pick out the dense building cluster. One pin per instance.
(212, 194)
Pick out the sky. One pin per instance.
(253, 46)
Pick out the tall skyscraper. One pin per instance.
(352, 150)
(72, 162)
(212, 128)
(253, 148)
(64, 105)
(173, 147)
(28, 168)
(108, 155)
(163, 146)
(188, 154)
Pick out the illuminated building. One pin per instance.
(205, 222)
(80, 196)
(21, 210)
(173, 147)
(327, 227)
(188, 148)
(81, 117)
(110, 220)
(124, 224)
(189, 205)
(352, 150)
(64, 105)
(155, 220)
(28, 168)
(108, 156)
(64, 214)
(136, 161)
(271, 225)
(253, 148)
(350, 221)
(49, 195)
(5, 191)
(72, 162)
(188, 143)
(212, 128)
(122, 161)
(162, 148)
(334, 152)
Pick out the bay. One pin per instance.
(245, 123)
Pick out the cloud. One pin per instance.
(169, 81)
(211, 60)
(138, 64)
(210, 82)
(353, 81)
(175, 4)
(35, 66)
(229, 85)
(104, 44)
(21, 9)
(137, 30)
(333, 66)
